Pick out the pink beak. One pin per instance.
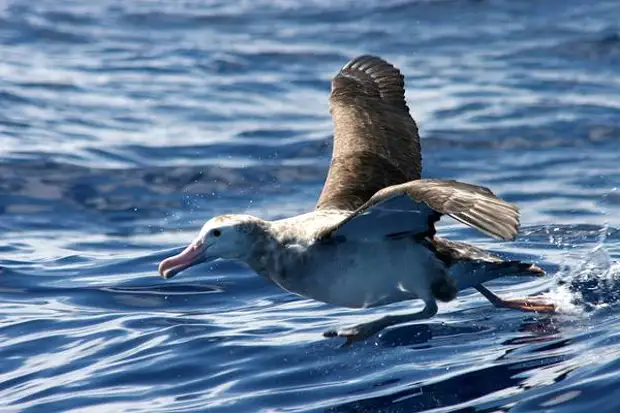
(190, 256)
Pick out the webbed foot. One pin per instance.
(534, 304)
(530, 304)
(356, 333)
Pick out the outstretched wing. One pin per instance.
(414, 207)
(376, 142)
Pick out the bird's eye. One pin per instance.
(216, 232)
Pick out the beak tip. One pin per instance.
(190, 256)
(163, 271)
(166, 275)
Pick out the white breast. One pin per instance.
(365, 274)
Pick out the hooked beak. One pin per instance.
(190, 256)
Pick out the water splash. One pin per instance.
(592, 284)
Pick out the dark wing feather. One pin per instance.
(472, 205)
(376, 142)
(393, 218)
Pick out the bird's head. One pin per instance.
(225, 236)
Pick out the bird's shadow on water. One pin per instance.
(420, 334)
(465, 385)
(458, 389)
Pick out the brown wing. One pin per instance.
(376, 142)
(472, 205)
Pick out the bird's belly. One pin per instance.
(358, 275)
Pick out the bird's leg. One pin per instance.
(523, 304)
(365, 330)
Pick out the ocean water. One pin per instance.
(125, 125)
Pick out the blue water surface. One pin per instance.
(124, 125)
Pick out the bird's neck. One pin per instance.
(270, 256)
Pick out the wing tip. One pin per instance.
(367, 60)
(379, 76)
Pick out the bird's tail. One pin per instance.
(470, 274)
(470, 266)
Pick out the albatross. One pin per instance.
(371, 239)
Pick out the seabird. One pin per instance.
(371, 239)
